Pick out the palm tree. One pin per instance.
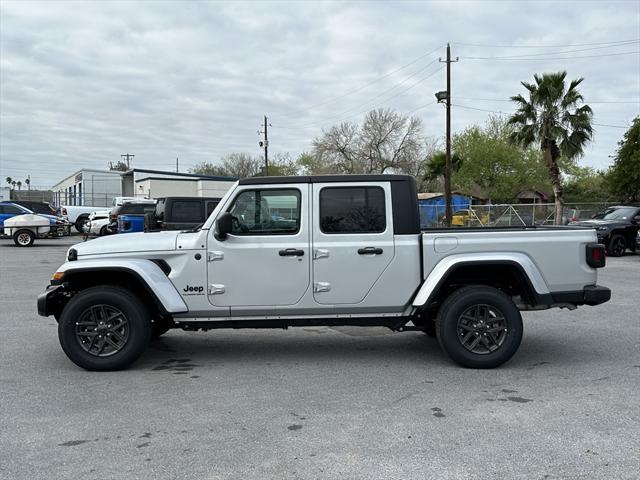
(19, 183)
(555, 119)
(9, 180)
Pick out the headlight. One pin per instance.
(602, 229)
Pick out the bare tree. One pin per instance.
(386, 141)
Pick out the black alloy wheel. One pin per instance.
(482, 329)
(102, 330)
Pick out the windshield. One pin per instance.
(621, 213)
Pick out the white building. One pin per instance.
(91, 187)
(5, 194)
(141, 182)
(98, 187)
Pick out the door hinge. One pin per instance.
(321, 287)
(213, 256)
(215, 289)
(320, 253)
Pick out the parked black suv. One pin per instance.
(616, 227)
(180, 213)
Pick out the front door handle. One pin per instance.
(291, 252)
(370, 251)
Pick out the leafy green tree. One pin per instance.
(623, 178)
(243, 165)
(493, 167)
(554, 118)
(239, 165)
(437, 164)
(9, 180)
(585, 184)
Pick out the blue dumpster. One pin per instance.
(130, 223)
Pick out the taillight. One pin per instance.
(595, 255)
(64, 211)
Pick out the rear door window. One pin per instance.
(186, 211)
(352, 210)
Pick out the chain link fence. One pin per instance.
(509, 215)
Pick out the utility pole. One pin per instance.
(447, 173)
(266, 148)
(177, 165)
(127, 156)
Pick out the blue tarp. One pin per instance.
(432, 209)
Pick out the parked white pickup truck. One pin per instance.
(321, 250)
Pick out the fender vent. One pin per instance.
(164, 266)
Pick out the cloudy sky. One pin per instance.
(83, 82)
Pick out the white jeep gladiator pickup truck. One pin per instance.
(321, 250)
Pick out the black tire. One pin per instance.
(617, 245)
(24, 238)
(80, 221)
(104, 231)
(133, 337)
(498, 333)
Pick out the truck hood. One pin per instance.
(129, 243)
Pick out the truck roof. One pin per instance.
(326, 179)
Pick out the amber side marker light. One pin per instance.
(57, 276)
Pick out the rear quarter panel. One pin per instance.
(557, 252)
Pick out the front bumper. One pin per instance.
(50, 301)
(589, 295)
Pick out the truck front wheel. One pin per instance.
(104, 328)
(479, 327)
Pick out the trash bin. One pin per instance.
(130, 223)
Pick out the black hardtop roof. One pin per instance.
(326, 179)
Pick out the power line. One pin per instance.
(341, 114)
(557, 53)
(508, 100)
(505, 113)
(362, 87)
(546, 46)
(553, 58)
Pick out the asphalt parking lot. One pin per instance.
(338, 403)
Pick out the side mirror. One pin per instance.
(636, 219)
(223, 226)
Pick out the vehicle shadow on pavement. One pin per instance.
(311, 346)
(260, 347)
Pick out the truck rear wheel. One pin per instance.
(24, 238)
(479, 327)
(104, 328)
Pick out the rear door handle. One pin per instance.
(291, 252)
(370, 251)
